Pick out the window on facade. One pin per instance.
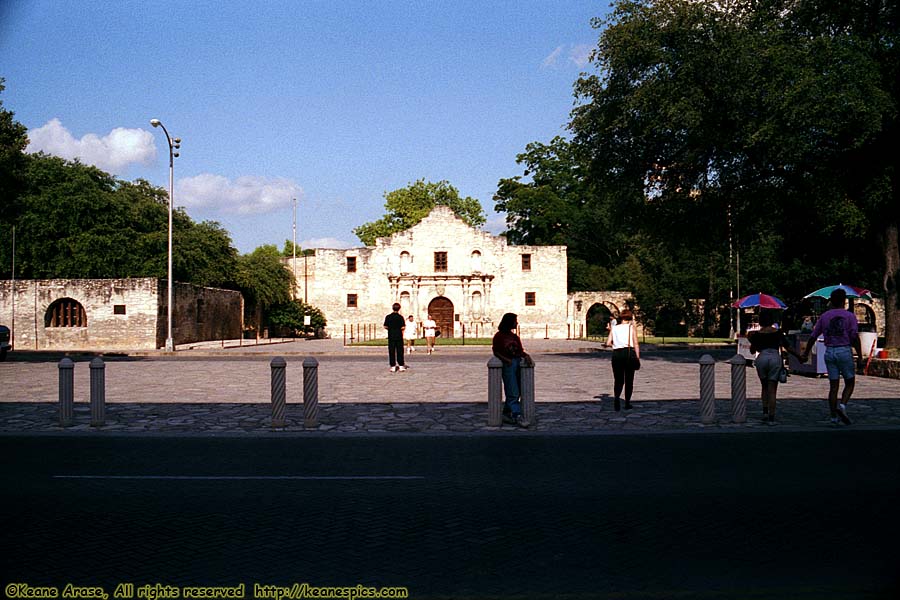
(351, 264)
(65, 313)
(526, 262)
(530, 298)
(351, 300)
(476, 261)
(440, 261)
(118, 309)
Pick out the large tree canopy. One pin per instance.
(407, 206)
(759, 129)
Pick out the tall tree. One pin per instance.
(407, 206)
(13, 140)
(745, 122)
(263, 281)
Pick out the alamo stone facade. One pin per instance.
(465, 278)
(115, 314)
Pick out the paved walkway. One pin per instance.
(216, 391)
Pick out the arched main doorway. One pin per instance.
(441, 310)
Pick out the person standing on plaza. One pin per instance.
(395, 324)
(430, 327)
(768, 342)
(507, 347)
(626, 358)
(841, 331)
(409, 334)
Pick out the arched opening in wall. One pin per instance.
(476, 261)
(477, 305)
(405, 304)
(65, 312)
(597, 323)
(405, 262)
(441, 310)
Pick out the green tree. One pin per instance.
(263, 281)
(407, 206)
(740, 126)
(290, 316)
(13, 140)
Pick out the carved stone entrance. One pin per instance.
(441, 310)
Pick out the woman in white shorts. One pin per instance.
(768, 342)
(430, 327)
(409, 334)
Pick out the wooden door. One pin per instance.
(441, 310)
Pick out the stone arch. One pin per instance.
(65, 312)
(580, 303)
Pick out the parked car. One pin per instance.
(4, 341)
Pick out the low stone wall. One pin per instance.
(885, 367)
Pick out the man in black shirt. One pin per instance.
(395, 324)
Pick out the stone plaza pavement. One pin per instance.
(210, 390)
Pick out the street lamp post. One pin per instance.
(174, 144)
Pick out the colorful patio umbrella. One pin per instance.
(761, 300)
(851, 290)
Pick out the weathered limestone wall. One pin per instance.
(118, 314)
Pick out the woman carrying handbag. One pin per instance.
(626, 358)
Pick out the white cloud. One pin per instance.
(245, 195)
(114, 152)
(577, 54)
(326, 243)
(581, 54)
(552, 58)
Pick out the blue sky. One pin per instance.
(334, 103)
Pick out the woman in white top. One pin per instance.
(626, 357)
(429, 326)
(409, 334)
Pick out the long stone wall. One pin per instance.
(114, 314)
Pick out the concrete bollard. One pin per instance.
(98, 392)
(527, 391)
(495, 392)
(66, 392)
(278, 365)
(310, 392)
(707, 389)
(738, 388)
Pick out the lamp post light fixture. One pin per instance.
(174, 145)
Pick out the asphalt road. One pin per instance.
(767, 515)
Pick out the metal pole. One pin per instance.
(738, 388)
(294, 252)
(98, 392)
(310, 392)
(707, 389)
(278, 365)
(495, 392)
(66, 392)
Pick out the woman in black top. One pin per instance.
(768, 342)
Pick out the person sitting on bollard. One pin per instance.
(768, 342)
(626, 358)
(507, 347)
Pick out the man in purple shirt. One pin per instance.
(841, 332)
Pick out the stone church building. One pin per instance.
(463, 277)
